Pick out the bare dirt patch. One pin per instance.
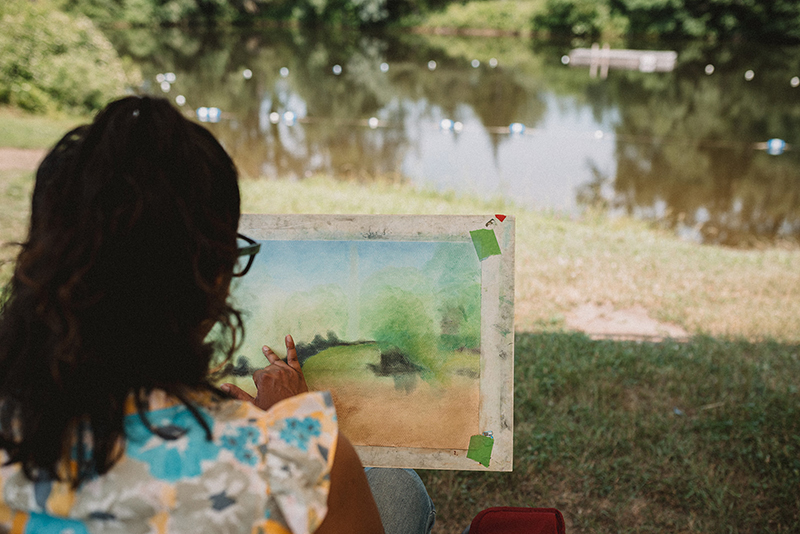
(602, 321)
(24, 159)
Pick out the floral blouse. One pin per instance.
(263, 473)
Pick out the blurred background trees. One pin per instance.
(758, 20)
(52, 60)
(53, 54)
(774, 20)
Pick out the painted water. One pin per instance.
(710, 148)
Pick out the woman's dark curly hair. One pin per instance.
(131, 246)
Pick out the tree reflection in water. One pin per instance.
(678, 148)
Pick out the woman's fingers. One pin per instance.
(271, 356)
(236, 392)
(277, 381)
(291, 354)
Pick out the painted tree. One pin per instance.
(399, 312)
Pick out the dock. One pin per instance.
(602, 59)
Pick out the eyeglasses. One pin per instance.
(246, 252)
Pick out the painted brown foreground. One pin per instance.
(428, 417)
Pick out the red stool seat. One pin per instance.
(513, 520)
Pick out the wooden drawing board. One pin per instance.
(407, 320)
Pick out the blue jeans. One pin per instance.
(402, 500)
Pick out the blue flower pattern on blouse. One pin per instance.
(45, 524)
(175, 459)
(241, 444)
(204, 481)
(300, 431)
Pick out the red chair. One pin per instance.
(513, 520)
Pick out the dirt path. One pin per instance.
(23, 159)
(605, 322)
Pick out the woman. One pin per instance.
(108, 419)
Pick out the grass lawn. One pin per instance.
(15, 191)
(22, 130)
(702, 436)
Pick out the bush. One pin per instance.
(774, 21)
(156, 12)
(584, 18)
(53, 61)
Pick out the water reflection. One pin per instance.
(679, 147)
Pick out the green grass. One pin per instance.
(22, 130)
(702, 436)
(351, 360)
(15, 192)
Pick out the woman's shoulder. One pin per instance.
(316, 405)
(284, 455)
(300, 435)
(303, 427)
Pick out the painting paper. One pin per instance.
(399, 317)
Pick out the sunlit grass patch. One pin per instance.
(24, 130)
(15, 192)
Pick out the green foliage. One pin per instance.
(100, 11)
(776, 20)
(399, 312)
(501, 15)
(459, 296)
(425, 313)
(50, 60)
(355, 13)
(586, 18)
(155, 12)
(182, 12)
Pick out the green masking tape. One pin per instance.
(480, 449)
(485, 243)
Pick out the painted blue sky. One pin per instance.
(290, 280)
(301, 265)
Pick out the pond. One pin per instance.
(687, 147)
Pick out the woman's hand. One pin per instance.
(279, 380)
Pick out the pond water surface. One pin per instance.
(503, 117)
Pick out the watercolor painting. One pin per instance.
(390, 322)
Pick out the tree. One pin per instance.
(52, 60)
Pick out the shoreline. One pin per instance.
(610, 278)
